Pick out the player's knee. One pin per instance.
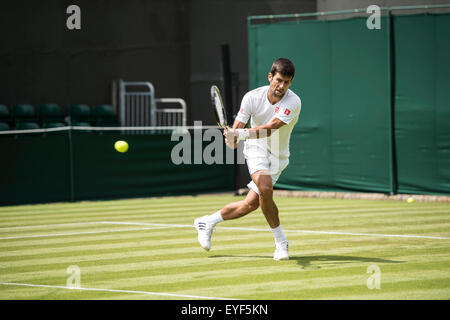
(265, 191)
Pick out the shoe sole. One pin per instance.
(281, 259)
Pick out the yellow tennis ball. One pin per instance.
(121, 146)
(410, 200)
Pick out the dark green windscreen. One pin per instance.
(342, 139)
(375, 103)
(85, 166)
(422, 103)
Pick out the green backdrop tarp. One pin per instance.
(342, 140)
(375, 103)
(422, 103)
(53, 167)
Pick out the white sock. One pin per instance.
(278, 234)
(215, 218)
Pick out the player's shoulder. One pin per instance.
(257, 92)
(293, 98)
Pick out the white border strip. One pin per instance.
(50, 225)
(153, 226)
(78, 233)
(115, 290)
(292, 231)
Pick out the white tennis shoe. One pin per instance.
(204, 230)
(281, 251)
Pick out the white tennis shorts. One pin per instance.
(272, 166)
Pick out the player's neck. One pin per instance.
(274, 99)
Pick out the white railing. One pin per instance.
(138, 107)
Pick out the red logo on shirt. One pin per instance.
(241, 111)
(276, 109)
(287, 111)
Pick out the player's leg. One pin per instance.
(241, 208)
(234, 210)
(264, 184)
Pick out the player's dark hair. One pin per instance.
(284, 67)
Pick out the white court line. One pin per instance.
(292, 231)
(50, 225)
(153, 226)
(77, 233)
(115, 290)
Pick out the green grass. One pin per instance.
(39, 242)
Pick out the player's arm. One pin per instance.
(240, 133)
(265, 130)
(231, 141)
(238, 124)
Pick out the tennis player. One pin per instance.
(273, 110)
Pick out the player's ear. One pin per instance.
(270, 76)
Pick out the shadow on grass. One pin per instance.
(316, 262)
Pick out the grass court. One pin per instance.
(147, 249)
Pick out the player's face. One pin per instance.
(279, 85)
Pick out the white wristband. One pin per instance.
(243, 134)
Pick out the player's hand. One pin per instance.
(230, 138)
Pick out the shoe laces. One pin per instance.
(284, 245)
(203, 226)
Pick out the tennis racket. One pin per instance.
(218, 107)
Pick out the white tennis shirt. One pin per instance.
(257, 107)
